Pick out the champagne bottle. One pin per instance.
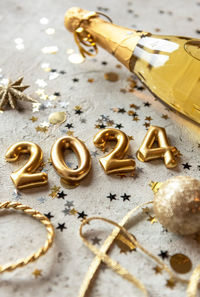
(169, 66)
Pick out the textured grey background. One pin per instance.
(65, 265)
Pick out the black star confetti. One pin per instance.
(111, 197)
(61, 227)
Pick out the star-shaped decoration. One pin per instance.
(41, 129)
(147, 104)
(164, 254)
(69, 204)
(111, 197)
(96, 240)
(66, 211)
(37, 273)
(165, 116)
(145, 210)
(136, 119)
(82, 215)
(125, 197)
(152, 219)
(69, 126)
(148, 118)
(12, 92)
(186, 166)
(33, 119)
(49, 215)
(157, 269)
(78, 111)
(75, 79)
(61, 227)
(121, 110)
(73, 212)
(134, 106)
(70, 133)
(170, 283)
(119, 126)
(95, 153)
(146, 124)
(61, 195)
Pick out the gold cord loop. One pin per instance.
(101, 255)
(48, 243)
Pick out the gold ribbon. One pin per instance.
(101, 256)
(82, 36)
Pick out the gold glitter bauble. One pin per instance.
(177, 205)
(180, 263)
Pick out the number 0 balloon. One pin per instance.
(70, 177)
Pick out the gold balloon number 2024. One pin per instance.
(113, 162)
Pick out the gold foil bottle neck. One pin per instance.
(168, 65)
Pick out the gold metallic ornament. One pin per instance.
(177, 205)
(147, 152)
(57, 117)
(26, 177)
(180, 263)
(12, 92)
(70, 177)
(168, 65)
(114, 162)
(38, 216)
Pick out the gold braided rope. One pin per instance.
(101, 256)
(38, 216)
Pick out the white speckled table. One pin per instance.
(62, 270)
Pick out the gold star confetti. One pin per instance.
(130, 138)
(33, 119)
(73, 211)
(152, 219)
(165, 116)
(170, 283)
(77, 107)
(148, 119)
(145, 210)
(133, 106)
(131, 112)
(119, 66)
(55, 188)
(146, 125)
(53, 194)
(90, 80)
(157, 269)
(41, 129)
(111, 76)
(70, 133)
(136, 119)
(37, 273)
(10, 93)
(155, 186)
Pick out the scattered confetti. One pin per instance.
(76, 58)
(180, 263)
(111, 76)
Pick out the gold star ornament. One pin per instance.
(12, 92)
